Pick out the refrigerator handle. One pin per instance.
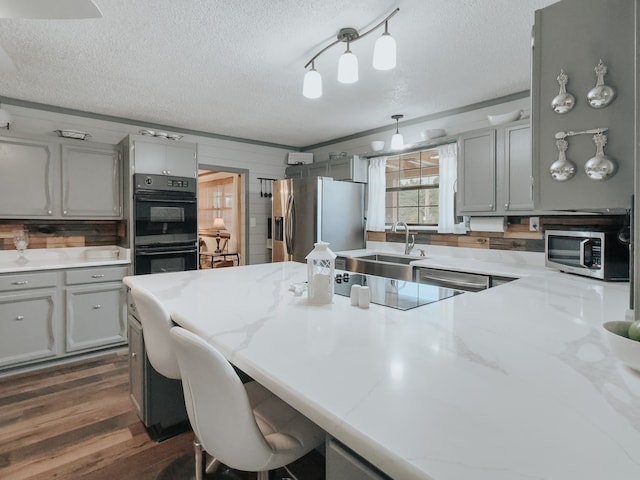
(290, 214)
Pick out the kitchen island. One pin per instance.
(511, 382)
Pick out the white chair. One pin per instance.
(244, 426)
(156, 325)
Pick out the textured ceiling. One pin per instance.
(236, 67)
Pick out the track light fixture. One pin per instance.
(397, 140)
(384, 57)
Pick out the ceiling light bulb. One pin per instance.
(384, 52)
(397, 141)
(348, 67)
(312, 86)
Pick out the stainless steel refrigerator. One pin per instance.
(307, 210)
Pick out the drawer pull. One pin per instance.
(20, 317)
(97, 275)
(96, 307)
(20, 282)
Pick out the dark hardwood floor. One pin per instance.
(77, 422)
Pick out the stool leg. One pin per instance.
(212, 465)
(262, 475)
(197, 447)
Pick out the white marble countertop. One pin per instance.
(57, 258)
(504, 263)
(515, 382)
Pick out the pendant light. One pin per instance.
(312, 86)
(384, 51)
(384, 57)
(348, 67)
(397, 141)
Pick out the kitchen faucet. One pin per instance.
(407, 246)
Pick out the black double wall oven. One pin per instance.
(165, 224)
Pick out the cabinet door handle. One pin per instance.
(20, 317)
(20, 282)
(97, 275)
(133, 355)
(96, 307)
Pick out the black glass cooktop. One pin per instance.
(392, 293)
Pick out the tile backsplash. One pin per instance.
(57, 234)
(517, 236)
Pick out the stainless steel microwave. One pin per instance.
(592, 253)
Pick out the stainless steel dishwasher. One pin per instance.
(470, 282)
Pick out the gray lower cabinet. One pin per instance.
(95, 300)
(342, 463)
(49, 315)
(28, 318)
(91, 182)
(495, 171)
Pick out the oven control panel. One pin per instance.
(149, 183)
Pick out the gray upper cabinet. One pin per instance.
(28, 173)
(352, 169)
(59, 179)
(163, 157)
(494, 171)
(477, 172)
(573, 35)
(518, 185)
(91, 182)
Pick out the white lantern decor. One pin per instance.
(320, 267)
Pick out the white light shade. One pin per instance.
(348, 68)
(397, 141)
(218, 224)
(384, 53)
(312, 86)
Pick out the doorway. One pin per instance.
(222, 216)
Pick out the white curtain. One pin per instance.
(377, 194)
(446, 201)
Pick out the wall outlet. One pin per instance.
(534, 224)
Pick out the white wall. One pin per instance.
(260, 161)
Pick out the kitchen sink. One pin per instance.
(381, 265)
(390, 258)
